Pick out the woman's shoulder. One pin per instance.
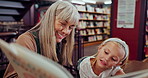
(27, 40)
(26, 35)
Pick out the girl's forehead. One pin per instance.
(115, 48)
(112, 43)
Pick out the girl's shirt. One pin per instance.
(86, 70)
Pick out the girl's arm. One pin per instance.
(120, 72)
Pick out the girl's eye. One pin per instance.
(114, 59)
(106, 52)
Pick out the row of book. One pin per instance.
(91, 8)
(84, 24)
(93, 31)
(12, 23)
(146, 39)
(10, 26)
(93, 16)
(95, 38)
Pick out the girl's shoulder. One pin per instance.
(85, 59)
(82, 61)
(116, 70)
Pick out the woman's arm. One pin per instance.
(10, 73)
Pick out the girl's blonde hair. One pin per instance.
(121, 43)
(62, 10)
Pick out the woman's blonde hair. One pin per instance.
(62, 10)
(120, 43)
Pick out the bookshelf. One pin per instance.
(146, 38)
(94, 23)
(146, 34)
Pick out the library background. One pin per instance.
(99, 20)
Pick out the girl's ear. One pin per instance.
(100, 46)
(120, 63)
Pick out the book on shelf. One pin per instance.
(90, 8)
(91, 38)
(29, 64)
(98, 31)
(99, 37)
(83, 32)
(81, 7)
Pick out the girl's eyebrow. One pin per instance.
(107, 49)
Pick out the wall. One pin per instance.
(133, 36)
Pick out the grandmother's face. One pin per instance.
(62, 29)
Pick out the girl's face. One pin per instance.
(62, 29)
(109, 55)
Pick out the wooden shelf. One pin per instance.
(89, 27)
(14, 10)
(92, 43)
(3, 34)
(94, 34)
(94, 13)
(93, 20)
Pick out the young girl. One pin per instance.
(112, 53)
(53, 36)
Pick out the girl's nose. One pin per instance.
(107, 58)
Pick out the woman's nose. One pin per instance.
(66, 31)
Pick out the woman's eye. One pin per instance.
(71, 27)
(62, 24)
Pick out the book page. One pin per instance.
(29, 64)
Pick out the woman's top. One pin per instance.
(86, 70)
(27, 40)
(30, 41)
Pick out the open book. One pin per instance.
(137, 74)
(30, 64)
